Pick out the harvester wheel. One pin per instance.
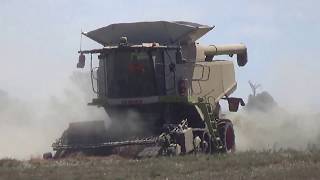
(227, 135)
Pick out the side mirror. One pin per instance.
(81, 61)
(234, 103)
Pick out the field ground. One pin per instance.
(286, 164)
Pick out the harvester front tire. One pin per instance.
(227, 136)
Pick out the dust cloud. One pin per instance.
(264, 125)
(284, 112)
(28, 128)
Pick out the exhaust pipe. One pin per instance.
(239, 49)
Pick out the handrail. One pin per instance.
(92, 76)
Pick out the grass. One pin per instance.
(284, 164)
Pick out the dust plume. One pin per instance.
(264, 125)
(284, 113)
(28, 128)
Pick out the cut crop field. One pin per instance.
(285, 164)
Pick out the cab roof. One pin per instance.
(162, 32)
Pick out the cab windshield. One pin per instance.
(135, 73)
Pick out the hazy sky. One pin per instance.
(39, 40)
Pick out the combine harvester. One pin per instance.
(161, 90)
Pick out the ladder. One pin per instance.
(211, 121)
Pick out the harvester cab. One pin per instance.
(161, 90)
